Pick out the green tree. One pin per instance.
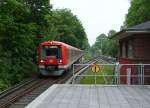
(138, 12)
(22, 22)
(104, 45)
(18, 39)
(66, 27)
(100, 44)
(113, 44)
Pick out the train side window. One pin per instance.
(69, 55)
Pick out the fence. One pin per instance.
(129, 74)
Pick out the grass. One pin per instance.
(107, 70)
(88, 56)
(91, 79)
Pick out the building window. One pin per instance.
(126, 49)
(120, 50)
(123, 50)
(130, 50)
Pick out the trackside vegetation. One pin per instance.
(26, 23)
(139, 12)
(104, 45)
(101, 79)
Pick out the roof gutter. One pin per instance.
(132, 31)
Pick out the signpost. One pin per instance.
(95, 68)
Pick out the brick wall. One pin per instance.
(141, 47)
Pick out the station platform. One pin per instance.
(93, 96)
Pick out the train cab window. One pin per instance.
(51, 52)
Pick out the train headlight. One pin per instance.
(60, 61)
(41, 61)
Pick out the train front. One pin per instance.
(50, 58)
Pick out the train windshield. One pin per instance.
(51, 52)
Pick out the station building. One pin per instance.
(134, 48)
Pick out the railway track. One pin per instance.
(30, 96)
(107, 60)
(22, 94)
(80, 71)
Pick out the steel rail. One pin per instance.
(21, 91)
(12, 95)
(88, 64)
(16, 87)
(81, 70)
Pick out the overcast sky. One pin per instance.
(97, 16)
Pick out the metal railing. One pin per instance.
(114, 74)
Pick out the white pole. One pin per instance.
(129, 76)
(73, 75)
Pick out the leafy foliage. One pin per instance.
(66, 27)
(138, 12)
(104, 45)
(16, 43)
(22, 22)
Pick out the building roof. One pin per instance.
(142, 26)
(137, 29)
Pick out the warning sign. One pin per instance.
(95, 68)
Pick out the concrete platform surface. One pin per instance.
(91, 96)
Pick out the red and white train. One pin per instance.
(54, 57)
